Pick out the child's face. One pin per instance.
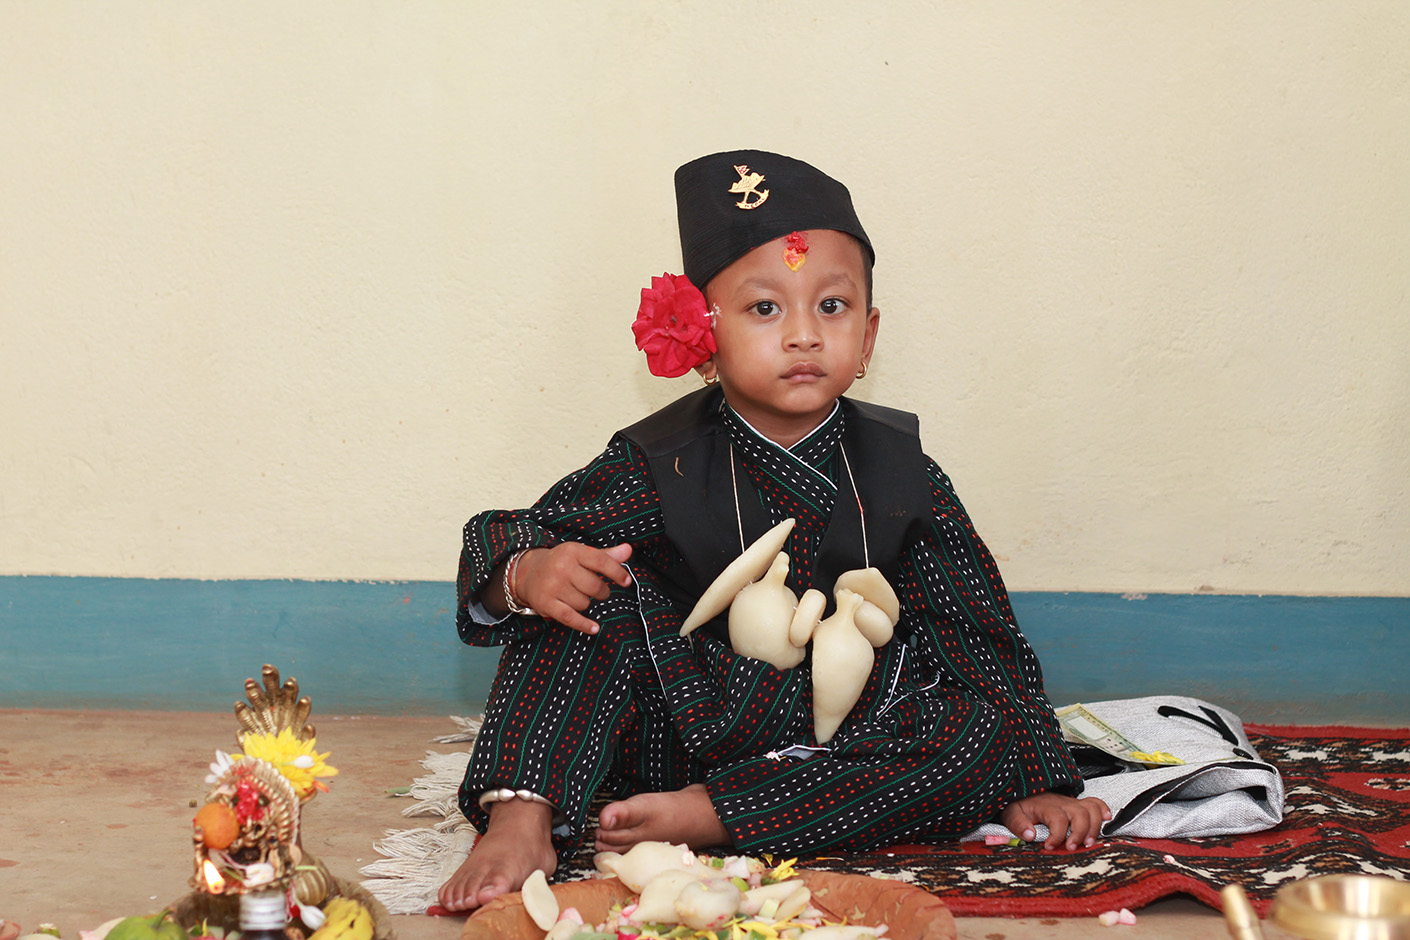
(789, 342)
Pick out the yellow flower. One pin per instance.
(295, 759)
(784, 870)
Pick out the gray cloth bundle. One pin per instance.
(1222, 788)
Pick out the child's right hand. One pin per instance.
(560, 582)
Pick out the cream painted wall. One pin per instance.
(291, 290)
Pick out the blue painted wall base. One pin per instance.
(391, 648)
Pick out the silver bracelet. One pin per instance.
(510, 569)
(503, 794)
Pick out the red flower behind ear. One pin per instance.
(673, 327)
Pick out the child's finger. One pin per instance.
(1097, 814)
(609, 562)
(1083, 829)
(1059, 831)
(584, 588)
(1057, 820)
(562, 613)
(1087, 821)
(1018, 821)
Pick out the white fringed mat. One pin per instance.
(418, 861)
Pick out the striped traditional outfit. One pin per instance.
(953, 723)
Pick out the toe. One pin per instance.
(607, 819)
(489, 892)
(612, 840)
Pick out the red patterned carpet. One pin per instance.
(1347, 812)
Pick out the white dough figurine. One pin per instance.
(760, 618)
(768, 622)
(749, 566)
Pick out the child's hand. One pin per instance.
(561, 581)
(1077, 821)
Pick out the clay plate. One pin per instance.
(910, 913)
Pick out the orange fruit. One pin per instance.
(219, 825)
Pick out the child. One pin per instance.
(590, 586)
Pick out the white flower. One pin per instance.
(736, 866)
(260, 873)
(312, 917)
(219, 766)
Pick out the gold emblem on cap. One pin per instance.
(748, 186)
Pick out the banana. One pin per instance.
(348, 919)
(333, 926)
(361, 926)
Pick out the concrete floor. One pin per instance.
(97, 808)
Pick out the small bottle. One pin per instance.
(263, 915)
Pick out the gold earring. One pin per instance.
(712, 378)
(862, 372)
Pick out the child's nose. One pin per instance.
(803, 332)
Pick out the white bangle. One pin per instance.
(504, 794)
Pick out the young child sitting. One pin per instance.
(589, 588)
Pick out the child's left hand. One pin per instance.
(1079, 822)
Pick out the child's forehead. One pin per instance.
(829, 260)
(836, 251)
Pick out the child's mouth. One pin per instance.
(804, 372)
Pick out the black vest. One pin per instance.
(688, 447)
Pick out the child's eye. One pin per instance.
(765, 308)
(833, 305)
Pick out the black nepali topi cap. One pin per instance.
(728, 204)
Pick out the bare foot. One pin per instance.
(683, 816)
(517, 841)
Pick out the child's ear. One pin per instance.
(869, 340)
(708, 372)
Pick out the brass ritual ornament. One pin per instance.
(1344, 907)
(247, 838)
(748, 185)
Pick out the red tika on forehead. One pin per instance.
(795, 250)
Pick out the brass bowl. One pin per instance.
(1344, 907)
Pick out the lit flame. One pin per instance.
(215, 884)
